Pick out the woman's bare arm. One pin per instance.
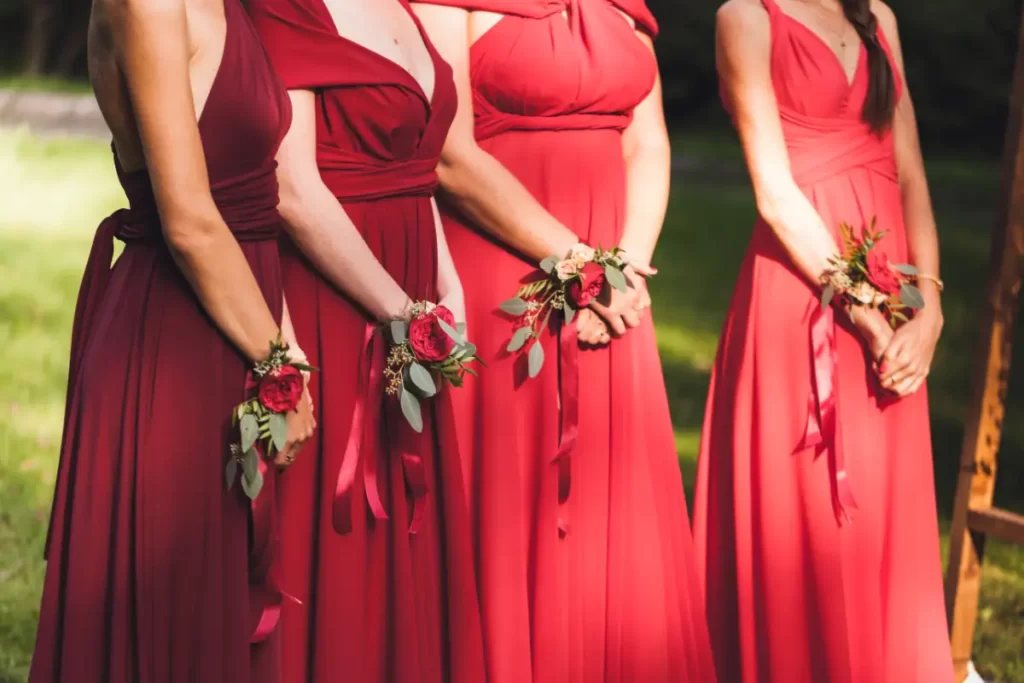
(153, 52)
(321, 228)
(743, 58)
(908, 359)
(645, 147)
(476, 182)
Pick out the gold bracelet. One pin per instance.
(931, 278)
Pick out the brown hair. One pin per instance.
(880, 103)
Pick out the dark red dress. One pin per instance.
(380, 557)
(150, 561)
(598, 585)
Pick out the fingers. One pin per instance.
(913, 382)
(895, 365)
(631, 318)
(645, 270)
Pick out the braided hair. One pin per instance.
(880, 103)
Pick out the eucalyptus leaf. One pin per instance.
(548, 264)
(249, 429)
(615, 278)
(278, 430)
(518, 339)
(536, 359)
(231, 472)
(451, 332)
(397, 328)
(514, 306)
(250, 463)
(252, 485)
(411, 410)
(906, 268)
(468, 350)
(826, 296)
(461, 327)
(570, 312)
(422, 380)
(910, 296)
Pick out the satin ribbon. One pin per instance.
(821, 430)
(569, 409)
(365, 432)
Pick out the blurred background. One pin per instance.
(58, 182)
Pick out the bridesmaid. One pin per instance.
(151, 576)
(585, 565)
(379, 556)
(816, 419)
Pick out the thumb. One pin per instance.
(644, 269)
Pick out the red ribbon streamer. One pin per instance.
(569, 408)
(821, 410)
(365, 432)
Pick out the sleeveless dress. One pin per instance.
(376, 534)
(815, 518)
(585, 565)
(152, 576)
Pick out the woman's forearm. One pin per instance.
(922, 238)
(448, 282)
(648, 171)
(213, 264)
(318, 224)
(484, 190)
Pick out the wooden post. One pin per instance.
(973, 514)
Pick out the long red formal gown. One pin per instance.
(798, 435)
(380, 559)
(596, 582)
(152, 577)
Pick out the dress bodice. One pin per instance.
(378, 133)
(559, 64)
(242, 123)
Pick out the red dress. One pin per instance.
(798, 435)
(380, 557)
(596, 581)
(149, 567)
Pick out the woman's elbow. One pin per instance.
(190, 233)
(455, 168)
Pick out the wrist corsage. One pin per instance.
(428, 346)
(569, 284)
(275, 386)
(864, 276)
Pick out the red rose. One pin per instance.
(881, 273)
(281, 389)
(429, 342)
(587, 286)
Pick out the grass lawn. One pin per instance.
(55, 192)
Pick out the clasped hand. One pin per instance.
(903, 358)
(615, 312)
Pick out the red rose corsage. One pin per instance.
(275, 387)
(864, 276)
(428, 346)
(567, 285)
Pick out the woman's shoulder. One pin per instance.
(886, 18)
(743, 18)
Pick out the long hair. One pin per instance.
(880, 103)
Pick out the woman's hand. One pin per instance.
(591, 329)
(622, 310)
(907, 359)
(875, 330)
(455, 301)
(301, 424)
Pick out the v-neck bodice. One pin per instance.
(378, 133)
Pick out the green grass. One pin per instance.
(44, 84)
(55, 193)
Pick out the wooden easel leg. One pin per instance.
(984, 421)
